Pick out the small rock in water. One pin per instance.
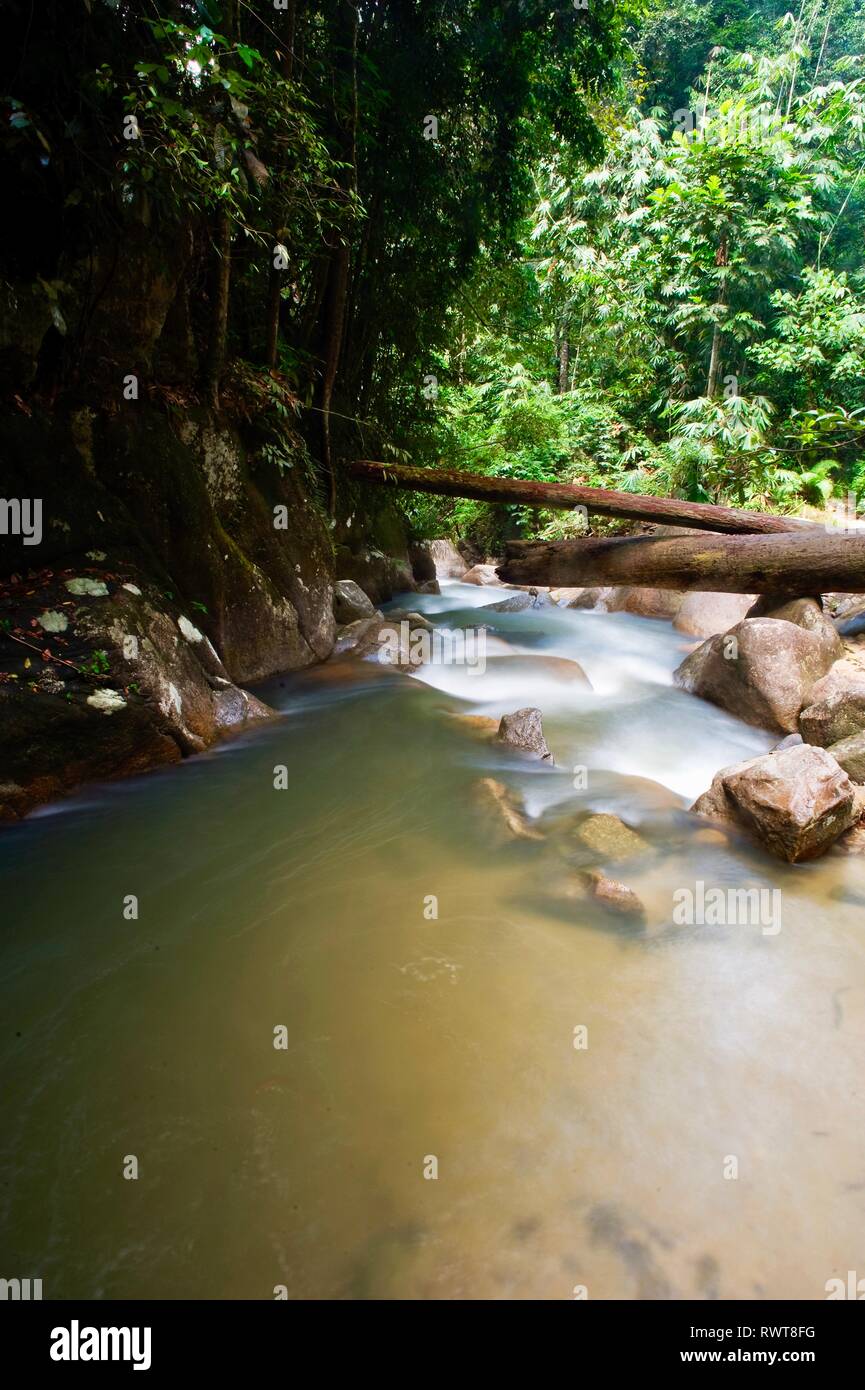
(614, 896)
(524, 730)
(608, 836)
(481, 574)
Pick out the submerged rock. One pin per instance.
(614, 896)
(506, 817)
(609, 837)
(524, 730)
(797, 801)
(763, 670)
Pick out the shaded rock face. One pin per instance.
(190, 505)
(429, 586)
(707, 614)
(763, 670)
(836, 708)
(350, 602)
(849, 753)
(646, 603)
(423, 565)
(524, 730)
(161, 693)
(796, 801)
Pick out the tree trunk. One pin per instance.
(221, 294)
(808, 562)
(564, 358)
(221, 291)
(602, 501)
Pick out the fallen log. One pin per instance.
(809, 563)
(602, 501)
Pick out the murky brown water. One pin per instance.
(409, 1038)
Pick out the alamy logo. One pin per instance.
(854, 1287)
(78, 1343)
(728, 907)
(21, 517)
(441, 647)
(20, 1290)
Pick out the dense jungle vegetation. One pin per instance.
(610, 243)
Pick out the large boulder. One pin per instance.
(481, 574)
(849, 753)
(796, 801)
(646, 603)
(806, 613)
(350, 602)
(704, 614)
(423, 565)
(763, 670)
(836, 707)
(524, 730)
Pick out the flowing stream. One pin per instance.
(711, 1050)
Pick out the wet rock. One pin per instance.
(790, 741)
(481, 574)
(593, 598)
(849, 753)
(836, 708)
(614, 896)
(704, 614)
(481, 726)
(518, 603)
(609, 837)
(350, 602)
(763, 670)
(352, 634)
(797, 802)
(504, 811)
(429, 586)
(565, 597)
(524, 730)
(234, 708)
(423, 566)
(646, 603)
